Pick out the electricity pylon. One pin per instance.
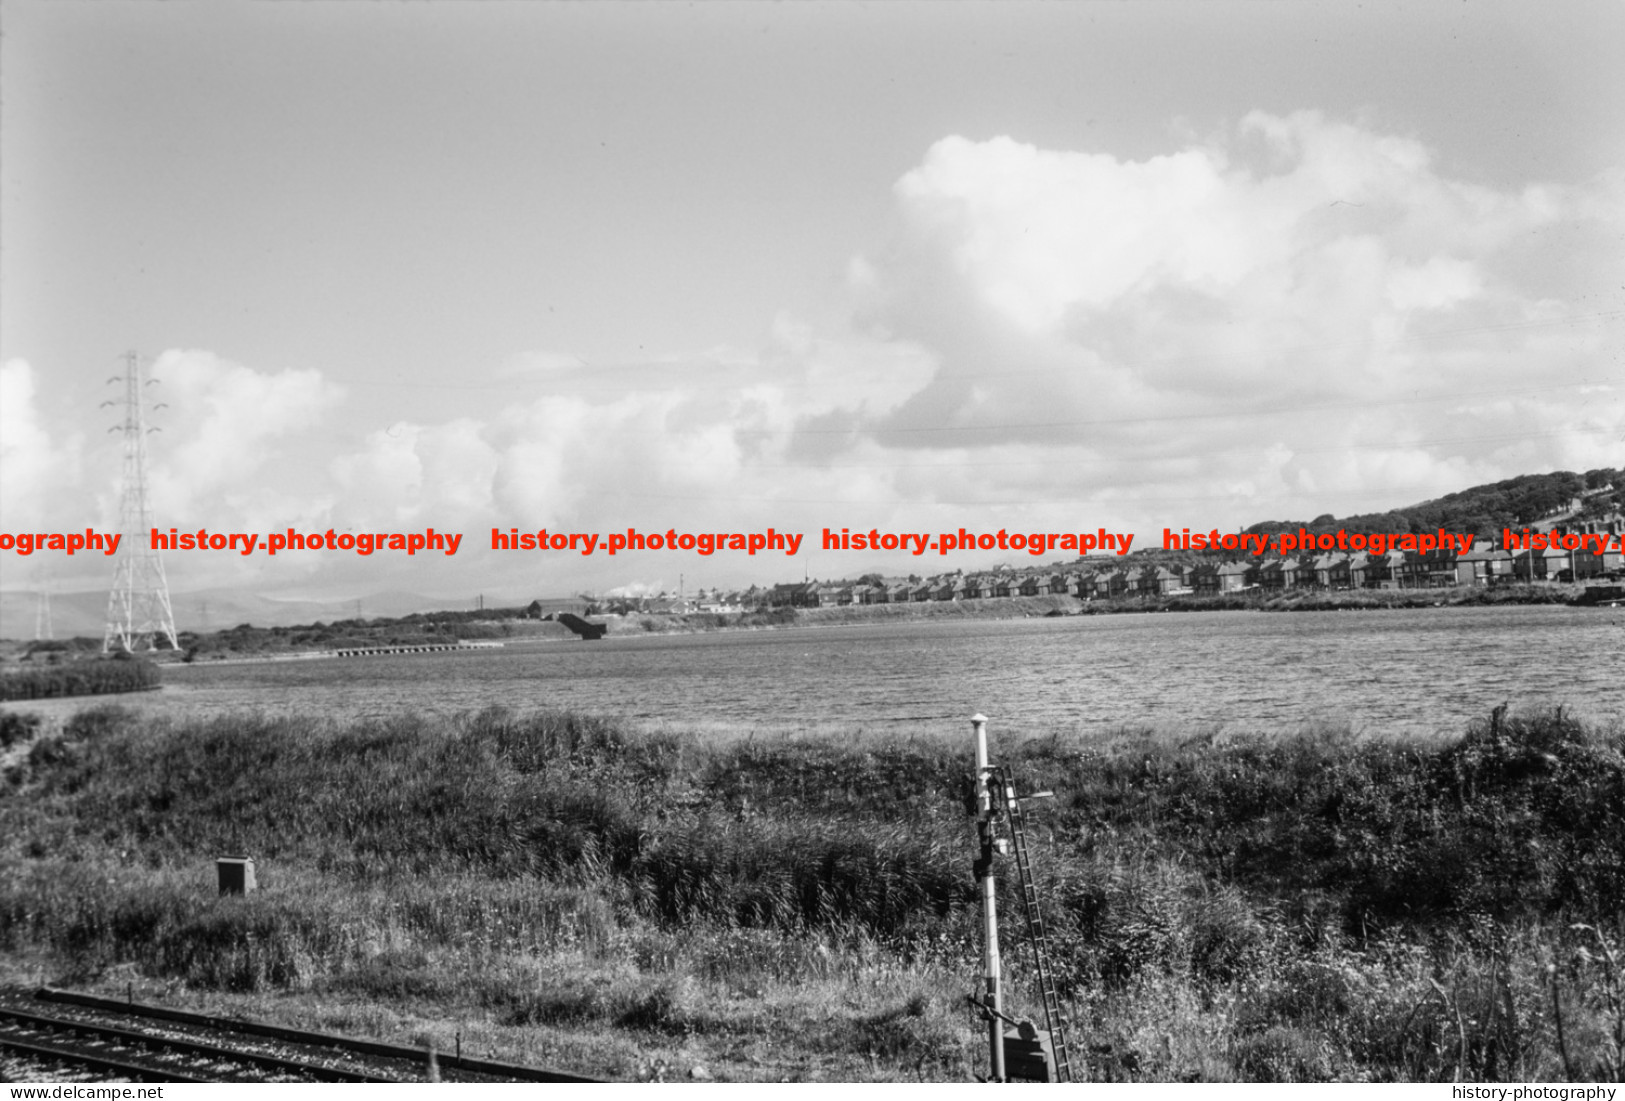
(42, 615)
(138, 606)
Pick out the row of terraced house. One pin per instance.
(1330, 570)
(1118, 578)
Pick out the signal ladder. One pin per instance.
(1036, 935)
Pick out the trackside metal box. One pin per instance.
(1029, 1056)
(236, 875)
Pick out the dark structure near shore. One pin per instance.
(588, 631)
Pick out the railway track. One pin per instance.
(61, 1031)
(145, 1055)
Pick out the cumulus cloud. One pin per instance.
(226, 424)
(411, 473)
(1039, 233)
(1320, 234)
(1285, 303)
(1296, 315)
(35, 468)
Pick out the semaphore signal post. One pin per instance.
(1017, 1049)
(992, 1002)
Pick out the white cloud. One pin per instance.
(1299, 315)
(540, 363)
(225, 424)
(35, 469)
(410, 474)
(1328, 275)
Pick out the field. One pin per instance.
(561, 890)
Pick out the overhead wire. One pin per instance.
(579, 380)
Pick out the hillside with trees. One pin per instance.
(1486, 509)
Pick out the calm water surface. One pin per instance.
(1416, 671)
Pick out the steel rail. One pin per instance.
(182, 1046)
(445, 1059)
(78, 1057)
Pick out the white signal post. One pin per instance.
(994, 996)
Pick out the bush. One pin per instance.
(15, 728)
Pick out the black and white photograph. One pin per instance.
(840, 541)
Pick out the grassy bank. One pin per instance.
(1016, 607)
(561, 890)
(428, 629)
(1326, 600)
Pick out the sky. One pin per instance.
(720, 267)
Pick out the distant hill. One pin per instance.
(1486, 509)
(85, 613)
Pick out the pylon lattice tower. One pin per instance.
(138, 608)
(42, 616)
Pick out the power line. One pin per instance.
(588, 375)
(1001, 502)
(978, 464)
(1108, 422)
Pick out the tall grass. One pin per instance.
(89, 677)
(1298, 908)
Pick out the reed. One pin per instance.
(86, 677)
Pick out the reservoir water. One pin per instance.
(1419, 671)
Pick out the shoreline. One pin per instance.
(1055, 606)
(510, 632)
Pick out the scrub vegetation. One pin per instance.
(562, 889)
(85, 677)
(418, 629)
